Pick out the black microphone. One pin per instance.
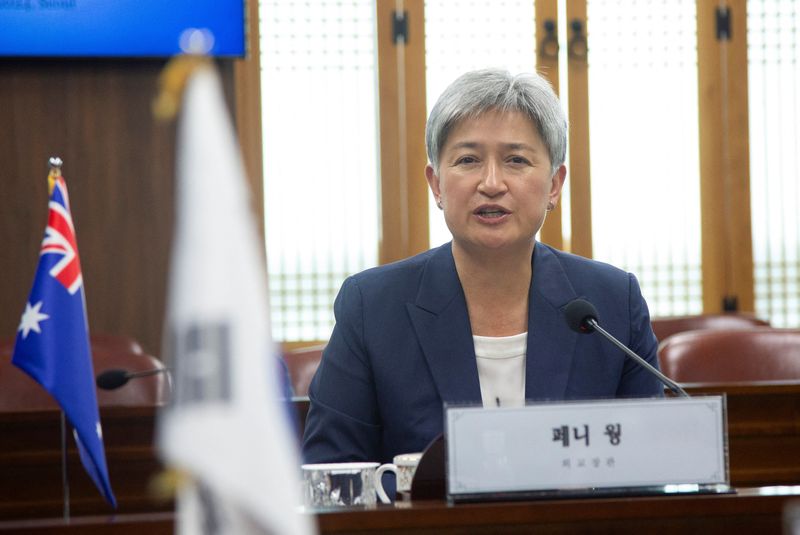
(113, 379)
(581, 316)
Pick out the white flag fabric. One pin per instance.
(226, 425)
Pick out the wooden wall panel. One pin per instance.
(727, 249)
(552, 232)
(579, 154)
(401, 85)
(247, 105)
(119, 166)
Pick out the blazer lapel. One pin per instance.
(441, 322)
(551, 343)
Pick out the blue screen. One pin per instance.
(117, 28)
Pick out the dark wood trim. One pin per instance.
(763, 443)
(30, 461)
(750, 510)
(747, 512)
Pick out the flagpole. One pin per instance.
(55, 164)
(64, 479)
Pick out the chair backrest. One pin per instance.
(668, 325)
(19, 392)
(302, 364)
(115, 342)
(141, 391)
(731, 355)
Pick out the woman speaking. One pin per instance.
(479, 319)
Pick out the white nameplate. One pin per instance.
(583, 445)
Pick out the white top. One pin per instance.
(501, 369)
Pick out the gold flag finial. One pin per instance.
(55, 172)
(196, 44)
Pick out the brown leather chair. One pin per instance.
(732, 355)
(19, 392)
(302, 364)
(668, 325)
(115, 342)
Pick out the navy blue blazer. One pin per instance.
(402, 346)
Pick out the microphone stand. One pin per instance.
(675, 387)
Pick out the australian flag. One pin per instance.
(52, 343)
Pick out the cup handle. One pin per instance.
(379, 483)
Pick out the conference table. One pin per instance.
(761, 510)
(764, 457)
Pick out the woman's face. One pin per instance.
(494, 182)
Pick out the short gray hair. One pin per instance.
(477, 92)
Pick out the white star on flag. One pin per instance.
(31, 318)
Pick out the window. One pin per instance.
(644, 146)
(774, 86)
(674, 189)
(320, 156)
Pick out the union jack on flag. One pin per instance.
(52, 343)
(59, 238)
